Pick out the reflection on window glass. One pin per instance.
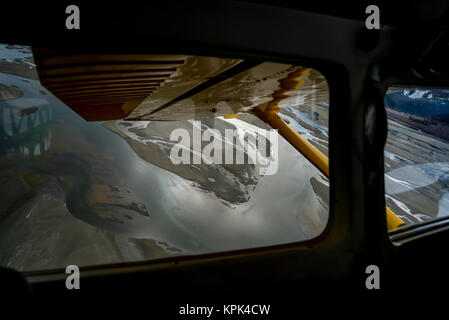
(88, 193)
(417, 153)
(307, 111)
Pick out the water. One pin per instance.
(83, 193)
(416, 173)
(416, 161)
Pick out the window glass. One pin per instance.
(417, 153)
(96, 192)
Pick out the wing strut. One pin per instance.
(270, 116)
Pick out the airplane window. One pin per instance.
(417, 153)
(83, 190)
